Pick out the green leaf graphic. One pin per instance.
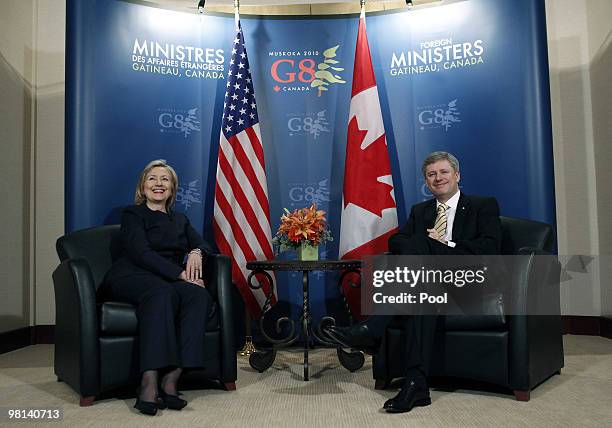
(331, 52)
(326, 75)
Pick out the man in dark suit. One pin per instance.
(451, 223)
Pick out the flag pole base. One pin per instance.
(248, 348)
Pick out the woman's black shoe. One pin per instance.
(172, 401)
(146, 407)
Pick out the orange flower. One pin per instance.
(303, 225)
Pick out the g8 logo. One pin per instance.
(297, 124)
(310, 194)
(299, 194)
(167, 120)
(427, 117)
(305, 71)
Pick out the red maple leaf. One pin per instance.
(362, 169)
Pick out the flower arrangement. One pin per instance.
(304, 226)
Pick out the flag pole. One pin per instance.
(368, 200)
(249, 346)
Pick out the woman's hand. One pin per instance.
(183, 276)
(193, 268)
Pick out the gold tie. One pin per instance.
(440, 224)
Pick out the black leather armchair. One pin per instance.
(96, 341)
(517, 352)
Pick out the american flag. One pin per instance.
(242, 213)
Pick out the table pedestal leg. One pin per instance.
(262, 359)
(305, 322)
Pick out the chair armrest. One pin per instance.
(533, 250)
(218, 276)
(534, 334)
(534, 283)
(77, 349)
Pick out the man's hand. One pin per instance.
(433, 234)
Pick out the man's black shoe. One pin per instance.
(357, 336)
(411, 395)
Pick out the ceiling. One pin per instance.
(192, 4)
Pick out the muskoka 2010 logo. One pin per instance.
(178, 121)
(306, 70)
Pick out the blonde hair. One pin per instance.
(140, 197)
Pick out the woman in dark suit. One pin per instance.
(160, 271)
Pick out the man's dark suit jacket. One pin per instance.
(476, 228)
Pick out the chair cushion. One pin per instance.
(472, 322)
(119, 319)
(491, 304)
(478, 355)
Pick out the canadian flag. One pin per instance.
(369, 213)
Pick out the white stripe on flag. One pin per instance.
(245, 185)
(237, 253)
(238, 212)
(246, 144)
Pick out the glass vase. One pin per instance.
(308, 252)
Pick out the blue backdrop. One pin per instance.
(470, 77)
